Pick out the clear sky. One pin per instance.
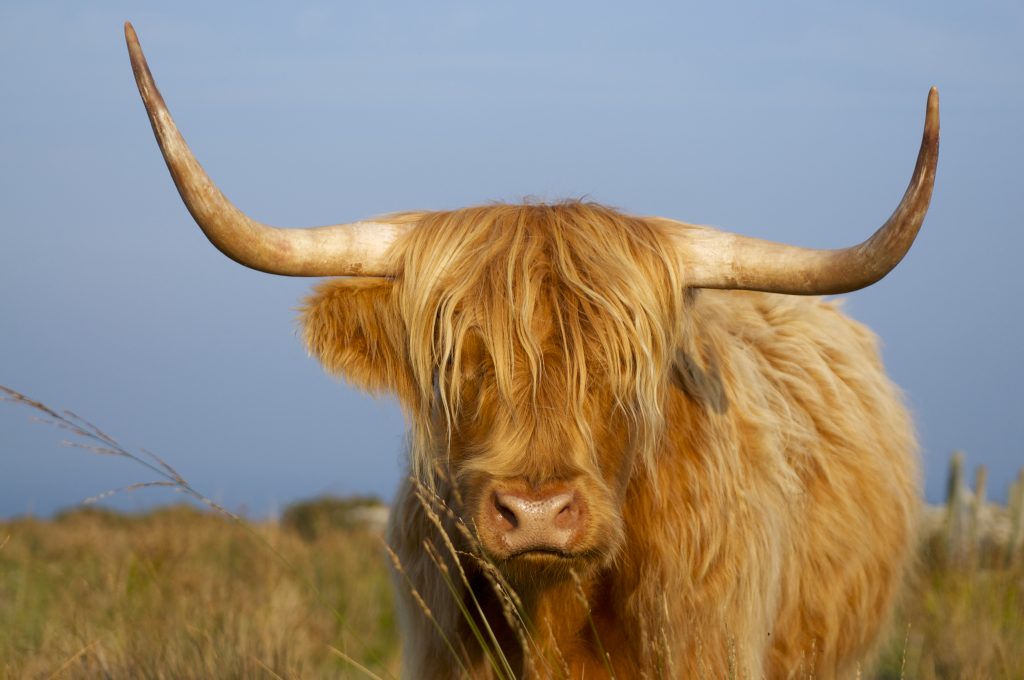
(797, 122)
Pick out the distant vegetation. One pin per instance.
(315, 518)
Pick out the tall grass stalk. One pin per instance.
(397, 563)
(491, 647)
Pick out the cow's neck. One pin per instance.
(570, 630)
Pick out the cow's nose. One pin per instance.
(547, 520)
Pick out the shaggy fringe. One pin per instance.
(605, 290)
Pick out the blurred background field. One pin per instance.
(186, 593)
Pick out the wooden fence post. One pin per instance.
(1016, 507)
(956, 511)
(976, 543)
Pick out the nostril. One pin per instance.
(568, 515)
(506, 512)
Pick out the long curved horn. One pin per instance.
(718, 259)
(357, 249)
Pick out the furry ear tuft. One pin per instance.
(353, 328)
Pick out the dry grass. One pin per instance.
(956, 621)
(180, 593)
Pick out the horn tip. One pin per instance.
(131, 39)
(932, 112)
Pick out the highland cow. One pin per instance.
(639, 447)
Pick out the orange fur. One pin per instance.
(749, 469)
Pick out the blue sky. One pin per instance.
(797, 122)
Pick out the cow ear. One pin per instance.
(353, 328)
(700, 380)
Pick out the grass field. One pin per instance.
(182, 593)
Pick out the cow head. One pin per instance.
(532, 346)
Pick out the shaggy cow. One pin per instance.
(618, 467)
